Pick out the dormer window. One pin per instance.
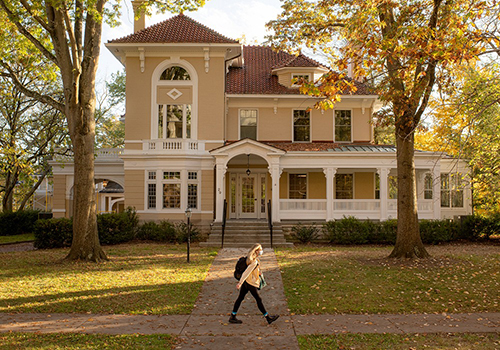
(299, 78)
(175, 73)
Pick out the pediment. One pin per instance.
(247, 146)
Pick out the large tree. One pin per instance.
(466, 125)
(68, 35)
(29, 134)
(405, 49)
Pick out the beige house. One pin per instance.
(210, 121)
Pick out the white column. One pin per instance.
(436, 191)
(383, 174)
(275, 172)
(220, 188)
(330, 175)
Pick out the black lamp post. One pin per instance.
(188, 213)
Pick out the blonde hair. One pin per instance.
(252, 253)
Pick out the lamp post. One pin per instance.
(188, 213)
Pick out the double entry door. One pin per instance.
(247, 196)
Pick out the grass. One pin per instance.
(140, 278)
(400, 341)
(354, 280)
(17, 238)
(68, 341)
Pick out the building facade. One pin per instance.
(210, 121)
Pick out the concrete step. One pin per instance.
(245, 245)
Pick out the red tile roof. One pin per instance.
(255, 77)
(300, 61)
(178, 29)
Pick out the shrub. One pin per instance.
(53, 233)
(437, 231)
(350, 230)
(164, 231)
(329, 231)
(305, 234)
(475, 227)
(181, 233)
(386, 232)
(115, 228)
(17, 223)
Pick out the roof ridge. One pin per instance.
(139, 35)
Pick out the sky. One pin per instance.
(232, 18)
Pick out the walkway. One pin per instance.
(207, 326)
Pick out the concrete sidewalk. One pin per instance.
(207, 326)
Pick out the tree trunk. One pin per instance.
(85, 245)
(408, 242)
(10, 184)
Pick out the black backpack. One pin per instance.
(240, 267)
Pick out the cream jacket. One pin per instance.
(251, 274)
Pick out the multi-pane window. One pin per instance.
(452, 191)
(297, 186)
(248, 124)
(344, 186)
(176, 187)
(174, 121)
(343, 126)
(393, 186)
(299, 79)
(301, 125)
(428, 186)
(151, 188)
(192, 189)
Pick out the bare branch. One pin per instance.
(37, 18)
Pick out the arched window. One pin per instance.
(175, 73)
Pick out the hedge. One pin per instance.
(17, 223)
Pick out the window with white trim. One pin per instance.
(377, 186)
(174, 121)
(299, 78)
(343, 128)
(301, 125)
(452, 190)
(248, 124)
(428, 182)
(344, 186)
(151, 190)
(297, 186)
(171, 186)
(192, 196)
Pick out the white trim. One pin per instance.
(256, 121)
(155, 81)
(335, 125)
(296, 96)
(310, 125)
(58, 210)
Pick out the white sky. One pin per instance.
(231, 18)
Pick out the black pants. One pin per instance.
(245, 288)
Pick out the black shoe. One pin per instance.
(233, 319)
(271, 319)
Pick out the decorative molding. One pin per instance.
(142, 59)
(206, 50)
(174, 94)
(275, 106)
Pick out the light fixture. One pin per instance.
(248, 165)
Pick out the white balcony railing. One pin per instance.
(174, 145)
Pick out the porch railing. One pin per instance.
(306, 208)
(173, 145)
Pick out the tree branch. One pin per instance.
(30, 93)
(37, 18)
(46, 52)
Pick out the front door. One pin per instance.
(250, 196)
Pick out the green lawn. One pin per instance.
(353, 280)
(68, 341)
(139, 279)
(17, 238)
(400, 341)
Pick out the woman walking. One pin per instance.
(250, 282)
